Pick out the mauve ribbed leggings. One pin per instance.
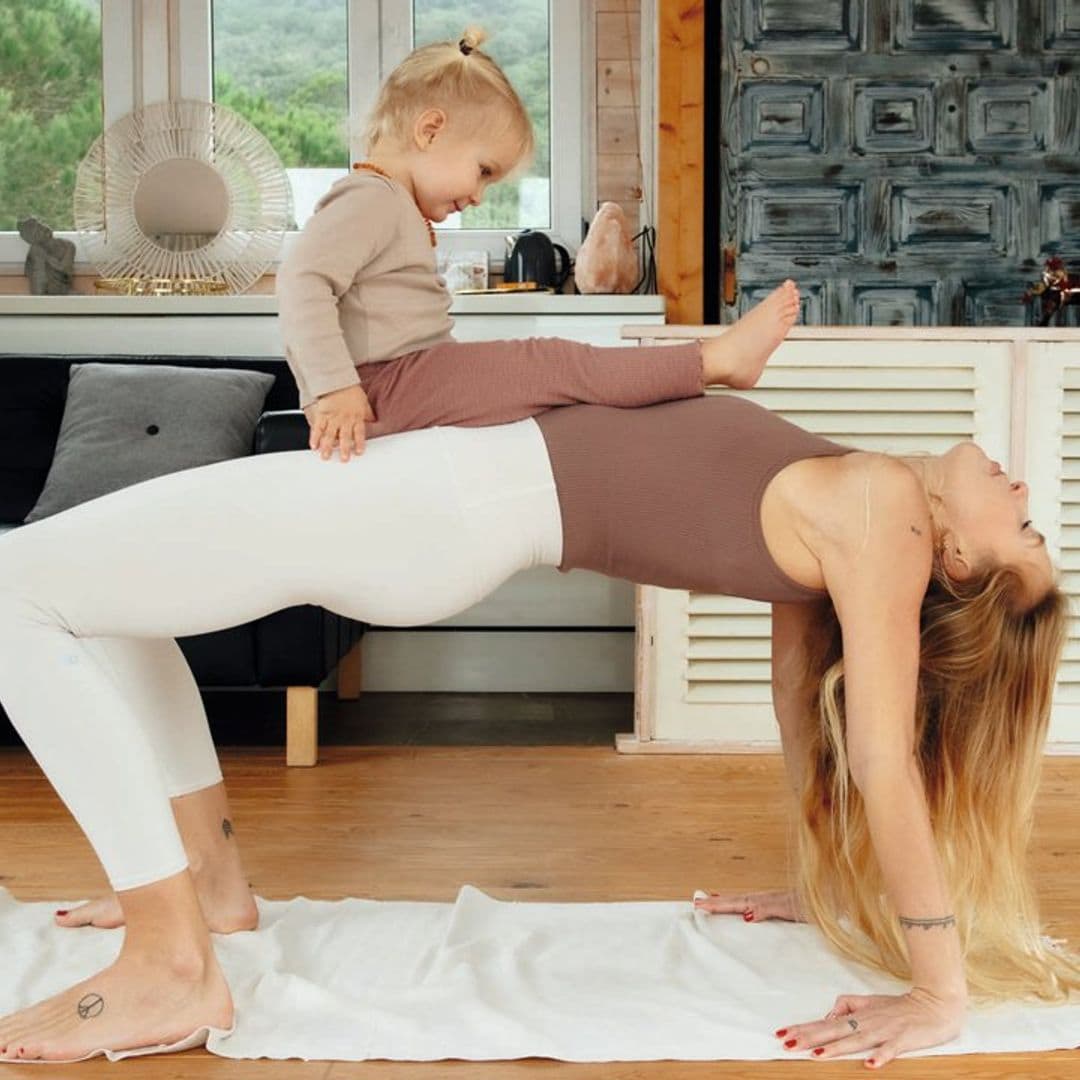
(473, 383)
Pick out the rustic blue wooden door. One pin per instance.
(908, 162)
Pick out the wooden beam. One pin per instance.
(681, 157)
(302, 725)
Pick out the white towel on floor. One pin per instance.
(484, 979)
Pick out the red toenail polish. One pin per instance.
(61, 913)
(819, 1051)
(749, 916)
(790, 1043)
(781, 1033)
(870, 1061)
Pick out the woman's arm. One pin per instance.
(790, 625)
(876, 573)
(877, 579)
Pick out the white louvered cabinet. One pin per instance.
(1052, 436)
(702, 661)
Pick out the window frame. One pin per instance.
(154, 50)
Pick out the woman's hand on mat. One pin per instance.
(338, 418)
(883, 1024)
(753, 907)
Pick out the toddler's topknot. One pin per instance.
(473, 38)
(453, 75)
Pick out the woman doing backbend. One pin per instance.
(916, 630)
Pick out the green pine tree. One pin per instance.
(305, 130)
(50, 106)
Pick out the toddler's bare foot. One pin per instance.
(224, 896)
(141, 1000)
(737, 357)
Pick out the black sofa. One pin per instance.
(294, 649)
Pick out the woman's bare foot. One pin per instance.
(737, 357)
(224, 896)
(205, 823)
(141, 1000)
(165, 984)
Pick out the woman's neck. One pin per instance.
(930, 469)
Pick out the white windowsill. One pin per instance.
(266, 304)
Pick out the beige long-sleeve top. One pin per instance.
(359, 285)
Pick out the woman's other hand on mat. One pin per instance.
(880, 1026)
(753, 907)
(337, 419)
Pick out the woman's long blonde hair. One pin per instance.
(466, 83)
(986, 677)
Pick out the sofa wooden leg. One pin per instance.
(302, 725)
(349, 674)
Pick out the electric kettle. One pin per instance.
(533, 258)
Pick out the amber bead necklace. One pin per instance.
(383, 172)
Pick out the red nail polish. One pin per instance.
(870, 1061)
(790, 1043)
(61, 913)
(819, 1051)
(781, 1033)
(748, 916)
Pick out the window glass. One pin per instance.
(50, 105)
(519, 41)
(283, 65)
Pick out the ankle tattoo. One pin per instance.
(90, 1005)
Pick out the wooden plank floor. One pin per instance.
(542, 823)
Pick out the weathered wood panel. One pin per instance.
(909, 162)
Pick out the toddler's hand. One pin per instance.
(338, 418)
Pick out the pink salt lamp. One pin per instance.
(607, 261)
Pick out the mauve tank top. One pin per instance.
(670, 495)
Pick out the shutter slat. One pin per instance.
(879, 379)
(875, 400)
(722, 626)
(729, 649)
(707, 604)
(728, 693)
(746, 671)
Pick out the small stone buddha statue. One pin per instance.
(50, 262)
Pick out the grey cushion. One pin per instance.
(125, 423)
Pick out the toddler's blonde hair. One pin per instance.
(452, 75)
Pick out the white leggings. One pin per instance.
(421, 526)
